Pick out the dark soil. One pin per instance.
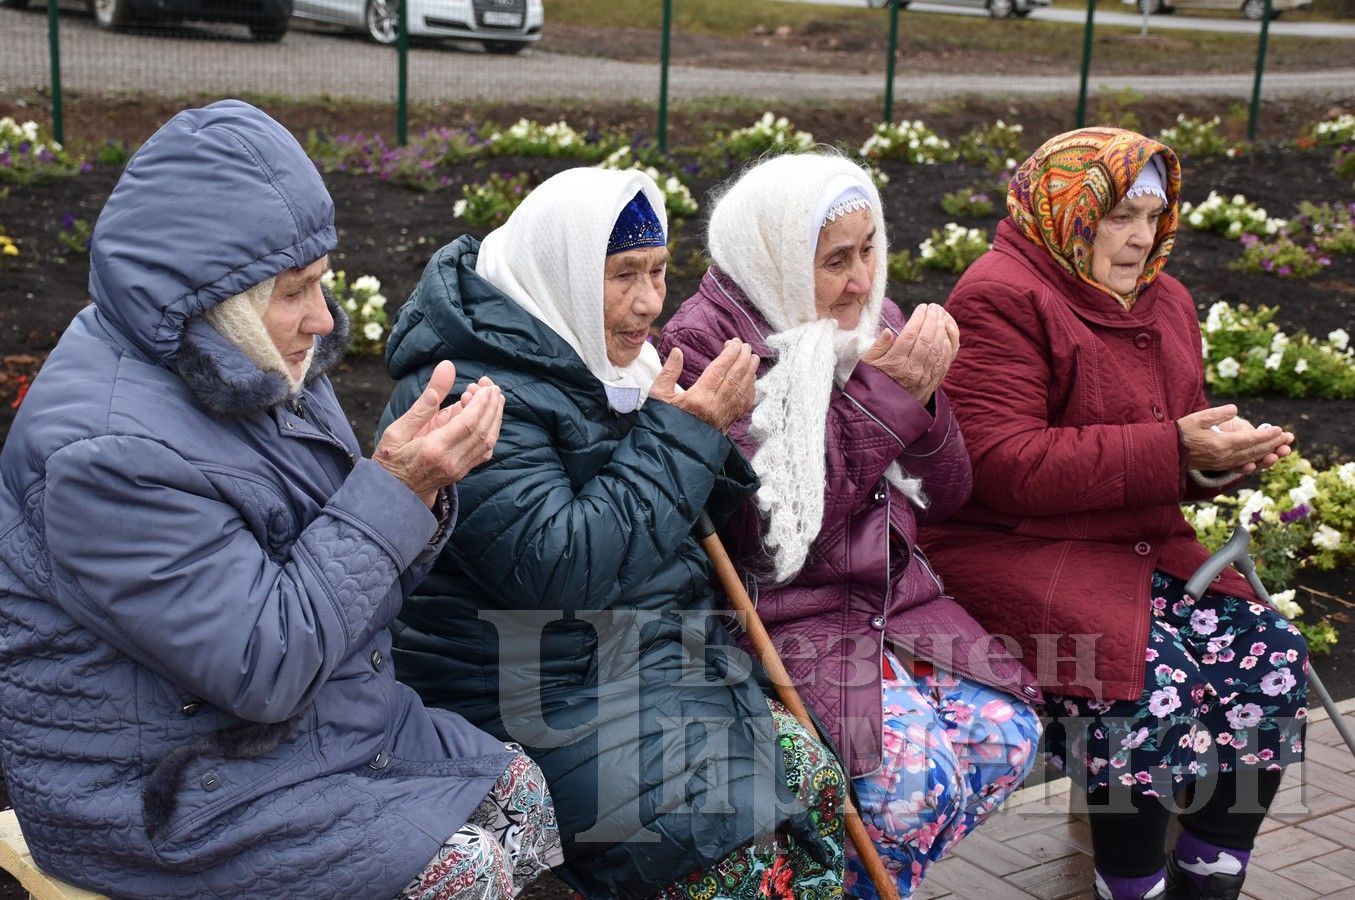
(390, 232)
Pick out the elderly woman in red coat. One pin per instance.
(855, 446)
(1079, 388)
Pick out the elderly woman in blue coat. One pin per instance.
(571, 610)
(197, 568)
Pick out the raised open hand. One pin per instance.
(722, 394)
(918, 357)
(432, 446)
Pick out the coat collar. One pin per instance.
(230, 384)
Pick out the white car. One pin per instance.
(1252, 9)
(502, 26)
(998, 9)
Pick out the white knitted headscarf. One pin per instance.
(550, 256)
(239, 319)
(764, 233)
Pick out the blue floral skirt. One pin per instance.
(1225, 688)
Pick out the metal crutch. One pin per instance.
(1234, 553)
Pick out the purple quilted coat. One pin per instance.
(865, 581)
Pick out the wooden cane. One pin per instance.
(885, 885)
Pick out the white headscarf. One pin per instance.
(764, 233)
(550, 256)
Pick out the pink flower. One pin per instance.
(1204, 621)
(1247, 662)
(1134, 739)
(1164, 701)
(1275, 683)
(1248, 715)
(1257, 648)
(997, 711)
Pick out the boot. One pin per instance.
(1220, 886)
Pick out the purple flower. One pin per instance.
(24, 147)
(47, 156)
(1277, 682)
(68, 221)
(1323, 261)
(5, 159)
(86, 167)
(1293, 515)
(1284, 271)
(1248, 239)
(1268, 264)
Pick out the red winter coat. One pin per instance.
(1068, 404)
(864, 580)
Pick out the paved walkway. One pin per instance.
(1036, 848)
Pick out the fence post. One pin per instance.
(54, 51)
(889, 65)
(1086, 64)
(1260, 67)
(402, 75)
(663, 74)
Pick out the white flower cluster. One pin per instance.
(773, 132)
(12, 134)
(676, 196)
(911, 141)
(1226, 323)
(1284, 604)
(956, 238)
(527, 137)
(1232, 218)
(1340, 130)
(365, 305)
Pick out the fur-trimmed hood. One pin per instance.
(230, 384)
(161, 255)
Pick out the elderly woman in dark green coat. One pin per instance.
(572, 612)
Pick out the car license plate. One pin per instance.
(503, 19)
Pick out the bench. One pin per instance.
(17, 861)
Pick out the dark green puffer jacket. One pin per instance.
(570, 609)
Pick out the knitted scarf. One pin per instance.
(550, 255)
(1057, 197)
(763, 234)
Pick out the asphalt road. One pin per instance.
(1108, 14)
(223, 60)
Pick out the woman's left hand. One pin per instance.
(920, 355)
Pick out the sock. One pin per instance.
(1199, 859)
(1115, 887)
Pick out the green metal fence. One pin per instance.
(196, 60)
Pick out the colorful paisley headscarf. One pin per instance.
(1058, 195)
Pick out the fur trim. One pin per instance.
(1214, 479)
(246, 740)
(230, 384)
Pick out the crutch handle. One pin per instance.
(1233, 553)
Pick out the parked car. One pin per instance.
(1252, 9)
(267, 19)
(502, 26)
(998, 9)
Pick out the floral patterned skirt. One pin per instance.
(777, 865)
(510, 839)
(954, 749)
(1225, 687)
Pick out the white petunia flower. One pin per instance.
(1284, 604)
(1346, 472)
(367, 284)
(372, 331)
(1273, 361)
(1326, 538)
(1339, 338)
(1228, 367)
(1301, 366)
(1305, 492)
(1206, 516)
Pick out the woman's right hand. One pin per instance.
(722, 395)
(1217, 440)
(920, 355)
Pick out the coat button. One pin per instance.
(1142, 548)
(1158, 413)
(190, 709)
(381, 761)
(1142, 341)
(880, 495)
(878, 623)
(377, 660)
(210, 781)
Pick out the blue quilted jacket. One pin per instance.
(572, 611)
(197, 571)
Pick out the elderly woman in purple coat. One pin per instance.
(856, 447)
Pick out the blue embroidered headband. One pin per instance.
(637, 226)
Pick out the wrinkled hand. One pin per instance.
(1217, 440)
(920, 355)
(432, 446)
(723, 393)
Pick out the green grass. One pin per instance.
(1044, 46)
